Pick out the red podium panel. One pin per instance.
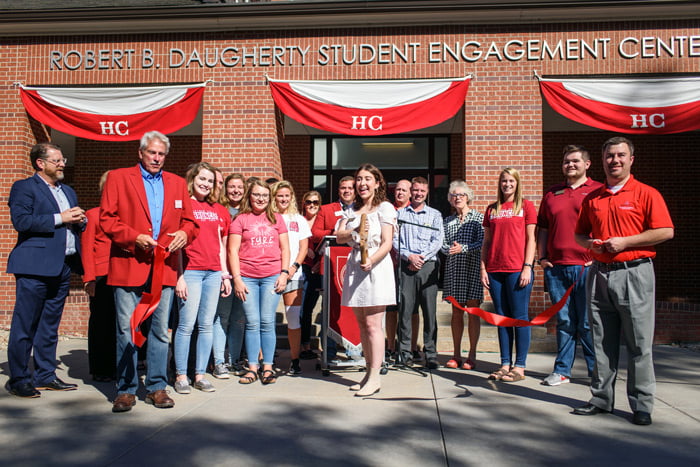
(342, 325)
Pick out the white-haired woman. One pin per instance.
(464, 235)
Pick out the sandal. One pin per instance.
(513, 377)
(268, 377)
(498, 374)
(453, 363)
(469, 364)
(247, 379)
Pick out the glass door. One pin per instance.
(398, 157)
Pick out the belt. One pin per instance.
(623, 264)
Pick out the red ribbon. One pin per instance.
(149, 300)
(499, 320)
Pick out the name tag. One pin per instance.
(178, 204)
(339, 213)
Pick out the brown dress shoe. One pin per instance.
(160, 399)
(123, 403)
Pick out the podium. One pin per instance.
(337, 322)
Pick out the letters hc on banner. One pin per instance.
(114, 114)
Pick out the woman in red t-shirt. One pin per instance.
(200, 279)
(258, 249)
(506, 269)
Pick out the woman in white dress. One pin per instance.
(368, 287)
(298, 231)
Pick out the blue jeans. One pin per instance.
(126, 299)
(260, 307)
(511, 300)
(203, 289)
(572, 319)
(229, 327)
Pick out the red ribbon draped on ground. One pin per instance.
(499, 320)
(149, 300)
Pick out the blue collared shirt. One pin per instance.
(63, 204)
(419, 239)
(155, 195)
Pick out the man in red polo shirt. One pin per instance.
(565, 263)
(620, 223)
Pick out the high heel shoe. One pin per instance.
(372, 385)
(358, 386)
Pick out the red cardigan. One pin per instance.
(95, 247)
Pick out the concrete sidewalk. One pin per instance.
(450, 417)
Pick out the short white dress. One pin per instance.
(376, 287)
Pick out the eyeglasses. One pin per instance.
(260, 195)
(458, 195)
(63, 161)
(310, 202)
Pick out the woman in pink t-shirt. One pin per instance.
(200, 279)
(258, 249)
(506, 269)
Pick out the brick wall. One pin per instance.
(242, 130)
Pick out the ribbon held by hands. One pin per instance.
(149, 300)
(363, 239)
(500, 320)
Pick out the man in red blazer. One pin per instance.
(142, 208)
(329, 214)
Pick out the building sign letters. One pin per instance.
(466, 51)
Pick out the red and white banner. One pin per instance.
(632, 106)
(114, 114)
(342, 324)
(370, 108)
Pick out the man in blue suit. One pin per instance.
(48, 221)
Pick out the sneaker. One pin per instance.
(204, 385)
(295, 368)
(238, 369)
(555, 379)
(220, 371)
(182, 387)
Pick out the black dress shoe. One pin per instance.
(432, 364)
(58, 385)
(641, 418)
(23, 390)
(589, 409)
